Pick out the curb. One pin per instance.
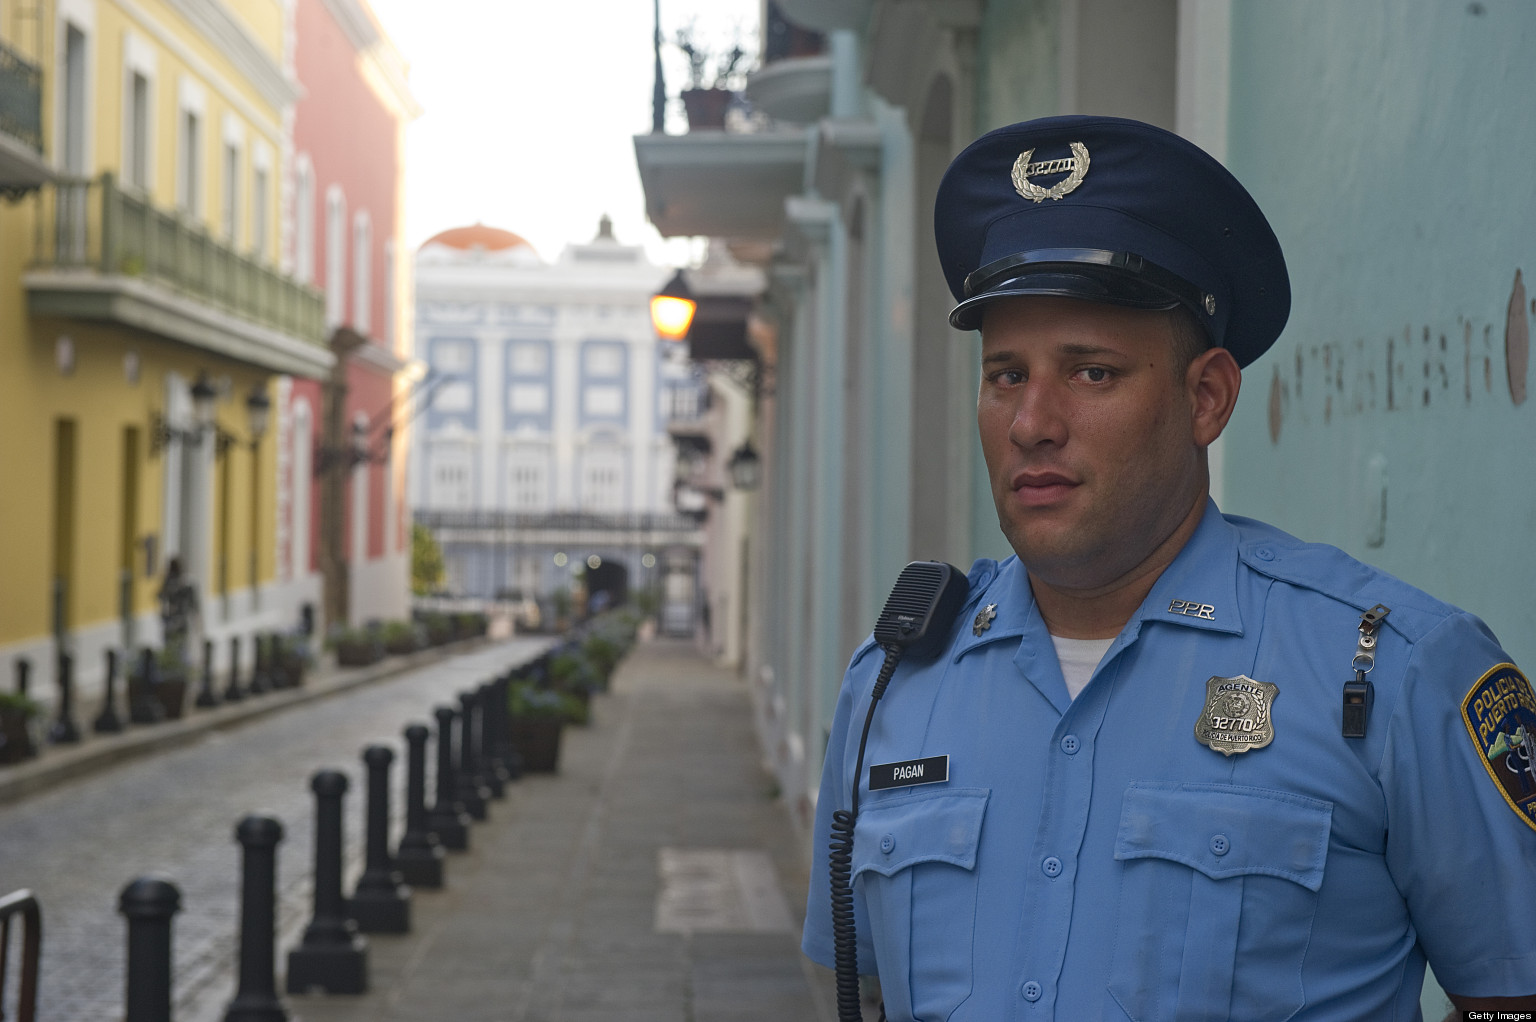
(57, 764)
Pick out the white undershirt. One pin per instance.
(1079, 658)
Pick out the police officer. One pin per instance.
(1172, 764)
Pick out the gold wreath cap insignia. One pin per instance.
(1076, 167)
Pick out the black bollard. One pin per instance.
(64, 730)
(261, 673)
(149, 903)
(144, 707)
(419, 856)
(506, 751)
(256, 999)
(233, 693)
(382, 902)
(23, 673)
(206, 697)
(448, 820)
(493, 760)
(332, 957)
(108, 722)
(470, 788)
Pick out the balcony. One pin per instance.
(22, 167)
(109, 255)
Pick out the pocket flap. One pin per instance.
(1226, 830)
(942, 826)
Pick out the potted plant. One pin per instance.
(402, 637)
(170, 684)
(572, 674)
(707, 101)
(439, 628)
(16, 715)
(290, 659)
(536, 718)
(357, 647)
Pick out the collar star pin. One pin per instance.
(984, 619)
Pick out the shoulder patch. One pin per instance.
(1500, 714)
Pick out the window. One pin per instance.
(455, 396)
(230, 214)
(303, 219)
(192, 102)
(602, 479)
(362, 271)
(452, 356)
(450, 481)
(388, 336)
(530, 359)
(605, 360)
(261, 202)
(603, 402)
(335, 256)
(527, 480)
(136, 133)
(528, 399)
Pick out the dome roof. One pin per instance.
(478, 236)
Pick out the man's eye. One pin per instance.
(1095, 374)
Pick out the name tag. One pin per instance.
(909, 772)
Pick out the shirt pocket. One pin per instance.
(1218, 893)
(914, 864)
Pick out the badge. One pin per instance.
(907, 773)
(1500, 714)
(1237, 717)
(1074, 166)
(984, 619)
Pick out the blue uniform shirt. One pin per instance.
(1090, 859)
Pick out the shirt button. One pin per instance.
(1030, 990)
(1264, 553)
(1220, 845)
(1069, 745)
(1051, 866)
(888, 844)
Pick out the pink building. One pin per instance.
(343, 543)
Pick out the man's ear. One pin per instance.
(1212, 382)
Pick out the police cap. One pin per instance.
(1110, 210)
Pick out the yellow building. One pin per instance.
(142, 318)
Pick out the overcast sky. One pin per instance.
(530, 106)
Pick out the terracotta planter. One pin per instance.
(15, 736)
(537, 740)
(172, 694)
(706, 107)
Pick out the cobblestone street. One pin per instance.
(174, 813)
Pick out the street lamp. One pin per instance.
(672, 308)
(203, 397)
(258, 409)
(745, 466)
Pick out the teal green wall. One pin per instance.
(1393, 146)
(1016, 62)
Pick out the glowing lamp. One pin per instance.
(672, 308)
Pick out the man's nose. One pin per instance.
(1039, 416)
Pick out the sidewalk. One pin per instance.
(656, 878)
(56, 764)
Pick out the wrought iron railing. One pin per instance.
(21, 98)
(528, 521)
(21, 903)
(97, 225)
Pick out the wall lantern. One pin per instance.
(672, 308)
(258, 409)
(745, 466)
(204, 395)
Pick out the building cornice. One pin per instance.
(368, 39)
(235, 42)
